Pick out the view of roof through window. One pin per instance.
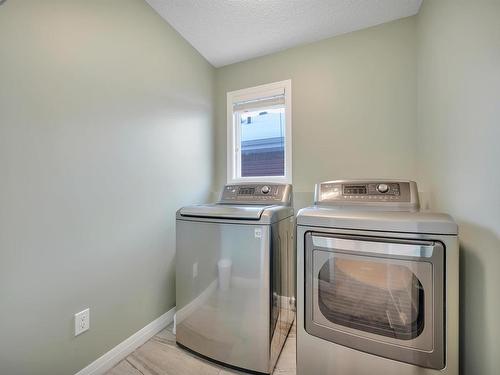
(263, 142)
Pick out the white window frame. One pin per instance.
(233, 154)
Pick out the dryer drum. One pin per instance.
(384, 299)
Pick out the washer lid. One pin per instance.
(386, 221)
(224, 211)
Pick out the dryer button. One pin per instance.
(382, 188)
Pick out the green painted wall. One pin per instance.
(105, 130)
(458, 136)
(101, 101)
(353, 104)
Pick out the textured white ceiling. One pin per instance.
(229, 31)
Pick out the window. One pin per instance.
(259, 134)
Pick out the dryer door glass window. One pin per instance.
(380, 295)
(370, 295)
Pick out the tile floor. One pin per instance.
(162, 356)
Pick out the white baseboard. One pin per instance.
(115, 355)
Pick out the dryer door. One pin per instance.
(378, 295)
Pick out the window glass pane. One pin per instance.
(382, 298)
(262, 142)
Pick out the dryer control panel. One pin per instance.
(262, 194)
(385, 194)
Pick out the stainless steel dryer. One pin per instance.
(377, 283)
(235, 276)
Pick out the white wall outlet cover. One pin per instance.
(82, 321)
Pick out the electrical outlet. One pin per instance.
(82, 321)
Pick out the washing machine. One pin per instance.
(377, 282)
(235, 276)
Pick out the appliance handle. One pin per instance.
(354, 244)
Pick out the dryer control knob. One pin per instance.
(265, 189)
(382, 188)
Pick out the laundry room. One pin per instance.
(227, 187)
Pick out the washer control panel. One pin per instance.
(370, 189)
(256, 194)
(357, 192)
